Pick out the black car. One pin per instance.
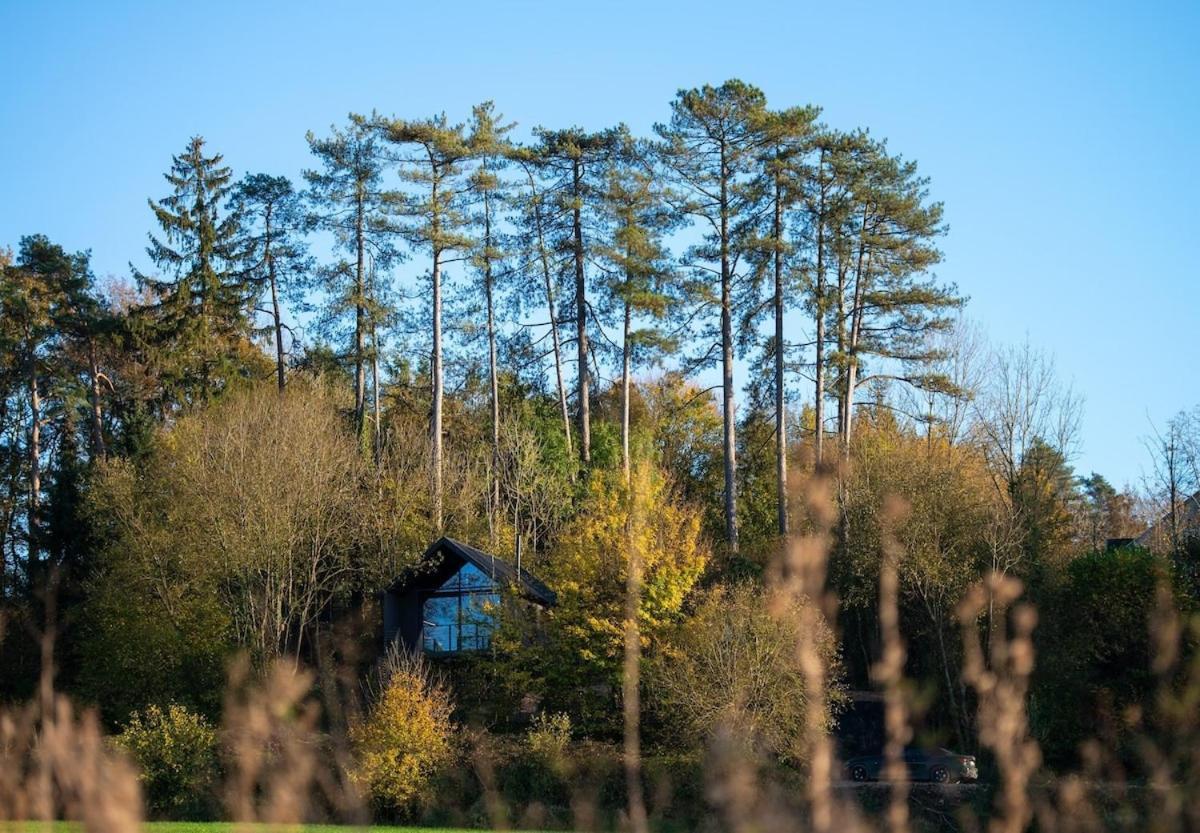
(938, 765)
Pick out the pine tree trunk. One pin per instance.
(856, 313)
(781, 472)
(819, 314)
(377, 423)
(435, 421)
(544, 259)
(360, 382)
(626, 362)
(275, 314)
(99, 452)
(35, 458)
(727, 391)
(493, 372)
(581, 317)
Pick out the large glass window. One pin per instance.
(461, 614)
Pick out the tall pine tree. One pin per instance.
(710, 146)
(346, 197)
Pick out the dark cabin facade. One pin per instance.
(448, 602)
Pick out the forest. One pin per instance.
(652, 365)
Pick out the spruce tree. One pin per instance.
(197, 326)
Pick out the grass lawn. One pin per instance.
(228, 827)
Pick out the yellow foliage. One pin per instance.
(589, 568)
(405, 738)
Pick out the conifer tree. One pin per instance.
(431, 154)
(638, 273)
(490, 150)
(276, 260)
(774, 253)
(710, 146)
(198, 323)
(573, 160)
(540, 264)
(39, 296)
(887, 303)
(346, 197)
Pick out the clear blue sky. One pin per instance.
(1062, 137)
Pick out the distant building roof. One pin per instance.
(1188, 519)
(497, 568)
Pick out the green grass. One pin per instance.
(229, 827)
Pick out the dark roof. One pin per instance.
(500, 570)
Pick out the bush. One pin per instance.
(549, 736)
(176, 751)
(734, 666)
(406, 736)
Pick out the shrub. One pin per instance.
(405, 737)
(176, 752)
(549, 736)
(734, 667)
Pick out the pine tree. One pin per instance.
(198, 326)
(540, 267)
(710, 146)
(276, 260)
(788, 141)
(39, 297)
(431, 154)
(638, 273)
(573, 159)
(490, 149)
(886, 302)
(346, 197)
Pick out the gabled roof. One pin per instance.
(500, 570)
(1187, 516)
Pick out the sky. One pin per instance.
(1061, 137)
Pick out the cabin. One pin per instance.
(449, 601)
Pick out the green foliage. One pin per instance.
(197, 326)
(733, 667)
(1095, 655)
(176, 753)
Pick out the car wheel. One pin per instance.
(941, 775)
(858, 773)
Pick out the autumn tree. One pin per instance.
(589, 569)
(236, 530)
(710, 147)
